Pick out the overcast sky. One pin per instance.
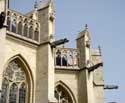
(106, 23)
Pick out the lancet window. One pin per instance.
(31, 32)
(20, 26)
(25, 30)
(14, 86)
(36, 35)
(23, 25)
(13, 28)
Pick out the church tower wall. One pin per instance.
(2, 41)
(85, 79)
(97, 76)
(45, 57)
(29, 37)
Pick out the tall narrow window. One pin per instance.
(22, 93)
(36, 35)
(62, 95)
(13, 24)
(8, 23)
(4, 91)
(13, 93)
(20, 28)
(25, 33)
(31, 32)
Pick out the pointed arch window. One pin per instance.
(4, 91)
(31, 32)
(15, 85)
(8, 23)
(25, 33)
(22, 93)
(58, 58)
(20, 28)
(13, 93)
(13, 28)
(62, 95)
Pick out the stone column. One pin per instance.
(45, 57)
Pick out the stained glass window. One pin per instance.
(4, 91)
(22, 93)
(58, 58)
(14, 83)
(13, 93)
(14, 23)
(62, 95)
(64, 58)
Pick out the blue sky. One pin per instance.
(106, 20)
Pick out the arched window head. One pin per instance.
(62, 95)
(4, 91)
(25, 33)
(15, 86)
(8, 23)
(13, 93)
(13, 28)
(58, 58)
(31, 32)
(22, 93)
(20, 26)
(36, 35)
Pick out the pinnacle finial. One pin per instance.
(35, 5)
(86, 26)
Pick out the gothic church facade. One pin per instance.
(34, 71)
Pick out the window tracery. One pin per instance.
(66, 57)
(58, 58)
(22, 25)
(13, 93)
(22, 93)
(4, 91)
(14, 86)
(62, 95)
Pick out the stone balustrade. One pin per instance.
(26, 27)
(66, 58)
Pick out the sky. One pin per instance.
(106, 23)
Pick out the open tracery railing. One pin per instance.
(66, 58)
(23, 26)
